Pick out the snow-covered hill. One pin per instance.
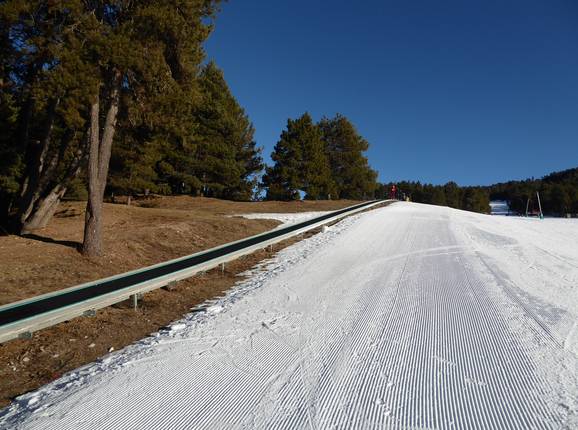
(410, 316)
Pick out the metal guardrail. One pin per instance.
(20, 319)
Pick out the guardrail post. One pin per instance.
(134, 298)
(170, 286)
(222, 268)
(25, 335)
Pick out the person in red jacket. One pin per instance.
(393, 192)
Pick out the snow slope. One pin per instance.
(410, 316)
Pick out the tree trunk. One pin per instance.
(36, 152)
(43, 202)
(99, 157)
(44, 183)
(43, 210)
(92, 226)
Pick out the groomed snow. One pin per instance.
(410, 316)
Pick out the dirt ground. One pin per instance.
(147, 232)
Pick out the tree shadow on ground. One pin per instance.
(69, 243)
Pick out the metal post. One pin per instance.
(171, 286)
(540, 205)
(222, 268)
(134, 301)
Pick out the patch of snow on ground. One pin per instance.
(286, 218)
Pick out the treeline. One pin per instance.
(475, 199)
(323, 160)
(558, 193)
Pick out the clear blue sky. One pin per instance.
(475, 91)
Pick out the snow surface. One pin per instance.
(285, 218)
(410, 316)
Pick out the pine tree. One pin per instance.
(72, 67)
(220, 157)
(46, 77)
(438, 196)
(133, 163)
(10, 157)
(285, 179)
(350, 170)
(301, 164)
(452, 195)
(558, 200)
(316, 173)
(230, 158)
(476, 199)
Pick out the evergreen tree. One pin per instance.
(558, 199)
(72, 64)
(227, 159)
(11, 165)
(415, 191)
(316, 173)
(285, 179)
(350, 170)
(438, 196)
(46, 78)
(301, 163)
(453, 195)
(133, 164)
(215, 154)
(475, 199)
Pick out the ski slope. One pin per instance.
(409, 316)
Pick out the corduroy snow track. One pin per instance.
(396, 318)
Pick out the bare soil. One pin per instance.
(147, 232)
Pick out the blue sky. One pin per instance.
(475, 91)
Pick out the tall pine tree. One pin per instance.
(284, 179)
(354, 178)
(213, 155)
(227, 159)
(72, 64)
(301, 163)
(316, 173)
